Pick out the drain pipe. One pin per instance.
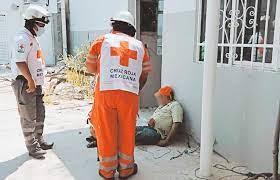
(209, 82)
(64, 27)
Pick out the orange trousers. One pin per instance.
(114, 120)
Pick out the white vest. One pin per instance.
(121, 63)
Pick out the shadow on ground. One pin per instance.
(70, 148)
(9, 167)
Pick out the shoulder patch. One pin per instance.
(21, 48)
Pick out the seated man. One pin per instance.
(164, 123)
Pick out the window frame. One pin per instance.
(273, 66)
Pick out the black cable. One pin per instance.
(223, 167)
(222, 156)
(228, 176)
(249, 175)
(153, 154)
(186, 151)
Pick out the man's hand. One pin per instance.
(152, 123)
(31, 86)
(163, 143)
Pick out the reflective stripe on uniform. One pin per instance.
(108, 169)
(29, 138)
(109, 159)
(39, 131)
(27, 130)
(92, 58)
(126, 157)
(39, 123)
(126, 166)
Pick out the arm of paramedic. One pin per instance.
(22, 66)
(21, 55)
(147, 68)
(143, 80)
(92, 57)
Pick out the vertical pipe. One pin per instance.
(209, 81)
(265, 32)
(276, 146)
(276, 40)
(232, 49)
(254, 52)
(138, 19)
(223, 31)
(243, 29)
(64, 28)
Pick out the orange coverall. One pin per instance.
(114, 112)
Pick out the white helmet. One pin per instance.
(38, 13)
(125, 16)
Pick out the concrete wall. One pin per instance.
(245, 105)
(147, 98)
(13, 24)
(89, 19)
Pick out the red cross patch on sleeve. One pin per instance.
(21, 48)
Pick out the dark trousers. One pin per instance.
(146, 135)
(32, 113)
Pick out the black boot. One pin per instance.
(37, 153)
(92, 144)
(46, 146)
(90, 139)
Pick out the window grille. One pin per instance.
(248, 33)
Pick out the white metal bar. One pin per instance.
(209, 81)
(247, 65)
(276, 41)
(266, 31)
(199, 8)
(254, 33)
(232, 33)
(64, 28)
(256, 64)
(223, 30)
(242, 45)
(243, 28)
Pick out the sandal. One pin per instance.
(135, 171)
(105, 177)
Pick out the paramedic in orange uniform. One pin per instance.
(122, 65)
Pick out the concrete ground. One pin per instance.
(71, 160)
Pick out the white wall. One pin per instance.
(90, 15)
(16, 22)
(245, 106)
(179, 6)
(13, 22)
(90, 19)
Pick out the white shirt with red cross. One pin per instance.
(27, 49)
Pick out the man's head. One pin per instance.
(36, 18)
(164, 95)
(124, 22)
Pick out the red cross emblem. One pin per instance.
(124, 53)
